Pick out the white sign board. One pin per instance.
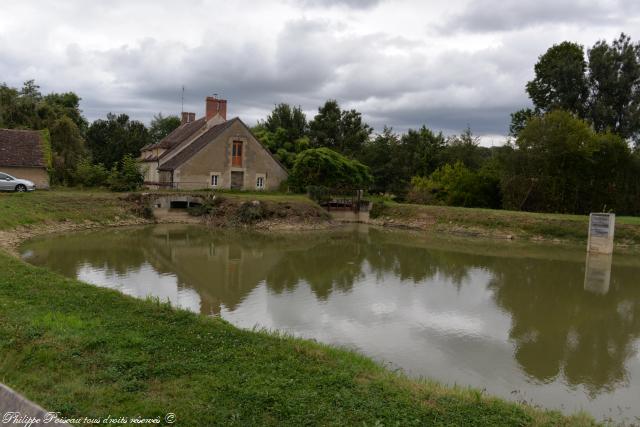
(601, 228)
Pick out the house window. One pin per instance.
(236, 155)
(215, 179)
(260, 183)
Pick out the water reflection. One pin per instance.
(501, 316)
(597, 273)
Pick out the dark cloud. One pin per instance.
(498, 15)
(396, 76)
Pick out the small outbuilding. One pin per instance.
(23, 154)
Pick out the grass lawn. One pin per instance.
(89, 351)
(101, 206)
(519, 224)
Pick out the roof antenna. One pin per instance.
(182, 99)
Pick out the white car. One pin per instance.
(10, 183)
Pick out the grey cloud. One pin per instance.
(355, 4)
(497, 15)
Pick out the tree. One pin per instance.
(110, 140)
(390, 170)
(456, 185)
(342, 131)
(560, 80)
(519, 120)
(562, 165)
(68, 148)
(325, 167)
(465, 148)
(614, 77)
(292, 120)
(422, 151)
(284, 133)
(161, 126)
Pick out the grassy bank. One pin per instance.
(88, 351)
(83, 350)
(500, 223)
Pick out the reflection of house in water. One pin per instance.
(222, 272)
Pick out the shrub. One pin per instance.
(251, 212)
(456, 185)
(377, 209)
(325, 167)
(127, 177)
(88, 174)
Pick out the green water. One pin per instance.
(529, 322)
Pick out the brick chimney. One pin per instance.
(215, 107)
(187, 117)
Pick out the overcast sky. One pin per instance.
(401, 63)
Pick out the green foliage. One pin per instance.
(456, 185)
(322, 166)
(378, 208)
(112, 139)
(560, 80)
(91, 175)
(343, 131)
(289, 119)
(57, 113)
(562, 165)
(519, 120)
(68, 148)
(126, 176)
(250, 212)
(605, 91)
(162, 126)
(614, 78)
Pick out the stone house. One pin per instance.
(23, 154)
(211, 152)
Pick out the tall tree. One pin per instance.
(560, 80)
(342, 131)
(423, 151)
(389, 167)
(291, 119)
(111, 139)
(162, 126)
(614, 77)
(68, 148)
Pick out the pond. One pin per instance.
(529, 322)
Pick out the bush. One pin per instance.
(127, 177)
(377, 209)
(325, 167)
(251, 212)
(456, 185)
(90, 175)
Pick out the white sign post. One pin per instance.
(601, 228)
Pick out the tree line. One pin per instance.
(101, 153)
(576, 150)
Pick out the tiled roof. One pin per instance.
(21, 148)
(180, 134)
(197, 145)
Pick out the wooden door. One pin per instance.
(237, 180)
(236, 155)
